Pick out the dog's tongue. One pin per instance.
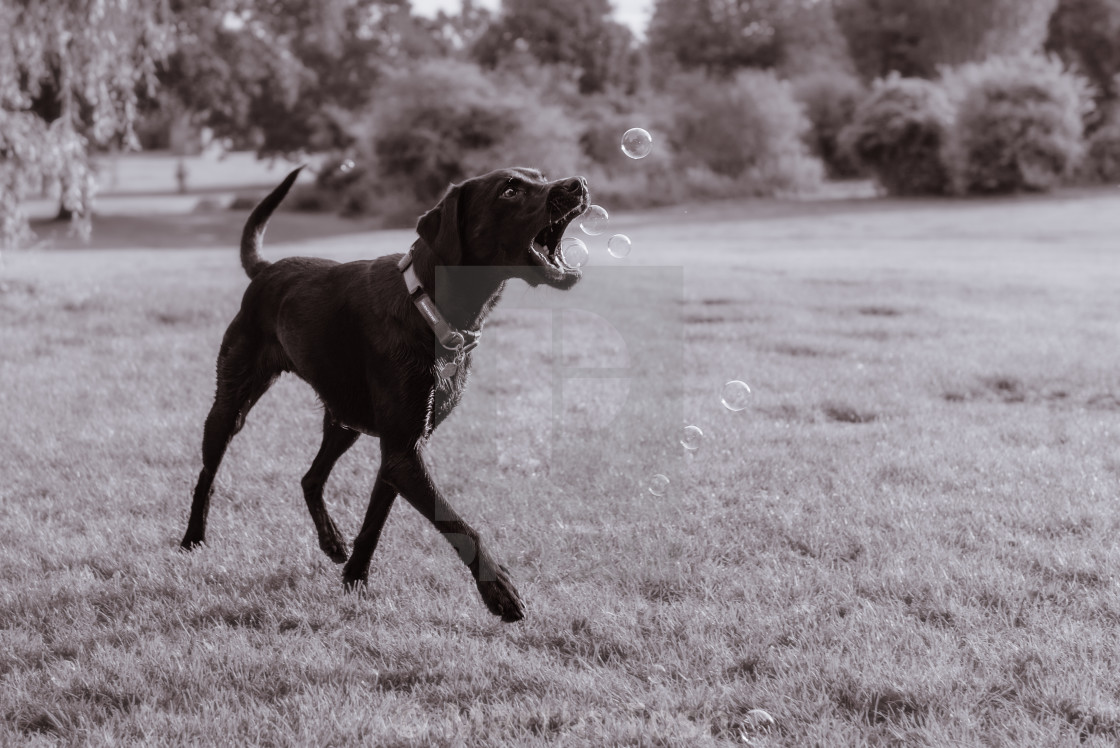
(541, 250)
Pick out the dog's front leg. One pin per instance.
(406, 472)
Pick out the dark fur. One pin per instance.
(351, 332)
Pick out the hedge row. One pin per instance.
(1004, 125)
(444, 121)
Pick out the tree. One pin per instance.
(217, 65)
(1086, 35)
(285, 74)
(914, 37)
(70, 71)
(722, 36)
(575, 33)
(884, 38)
(812, 41)
(459, 32)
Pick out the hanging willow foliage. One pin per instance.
(71, 72)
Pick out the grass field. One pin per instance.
(911, 537)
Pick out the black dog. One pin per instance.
(384, 359)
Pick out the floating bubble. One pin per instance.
(758, 719)
(619, 245)
(658, 485)
(594, 220)
(346, 166)
(691, 438)
(636, 143)
(573, 252)
(735, 395)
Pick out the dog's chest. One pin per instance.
(448, 390)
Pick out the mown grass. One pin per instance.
(909, 538)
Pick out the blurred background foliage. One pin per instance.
(744, 98)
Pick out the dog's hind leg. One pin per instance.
(243, 377)
(380, 502)
(336, 440)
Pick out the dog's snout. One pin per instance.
(568, 194)
(575, 185)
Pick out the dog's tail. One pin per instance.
(253, 234)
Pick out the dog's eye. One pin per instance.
(510, 192)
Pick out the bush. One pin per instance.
(1018, 125)
(898, 133)
(740, 136)
(442, 122)
(345, 185)
(830, 98)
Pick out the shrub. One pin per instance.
(442, 122)
(345, 185)
(744, 135)
(898, 132)
(1018, 125)
(830, 98)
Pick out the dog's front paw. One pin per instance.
(500, 595)
(353, 580)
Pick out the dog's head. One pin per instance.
(508, 218)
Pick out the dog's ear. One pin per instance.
(439, 228)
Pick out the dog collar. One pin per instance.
(460, 341)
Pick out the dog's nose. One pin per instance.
(575, 185)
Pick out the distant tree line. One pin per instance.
(744, 97)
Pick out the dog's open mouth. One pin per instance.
(544, 250)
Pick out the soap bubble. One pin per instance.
(594, 220)
(735, 395)
(346, 166)
(573, 252)
(756, 721)
(636, 143)
(619, 245)
(658, 485)
(691, 438)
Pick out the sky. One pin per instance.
(633, 13)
